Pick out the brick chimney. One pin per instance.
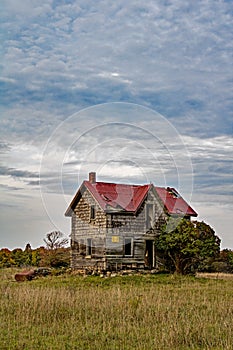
(92, 177)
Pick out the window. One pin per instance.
(149, 216)
(92, 215)
(128, 247)
(89, 246)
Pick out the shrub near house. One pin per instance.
(184, 244)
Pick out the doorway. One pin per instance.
(149, 254)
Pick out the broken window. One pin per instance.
(128, 246)
(89, 246)
(149, 216)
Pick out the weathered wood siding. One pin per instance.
(108, 232)
(84, 228)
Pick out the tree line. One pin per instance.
(55, 253)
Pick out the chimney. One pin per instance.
(92, 177)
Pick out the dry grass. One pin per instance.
(215, 275)
(129, 312)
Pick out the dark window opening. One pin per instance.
(92, 212)
(89, 246)
(128, 247)
(82, 247)
(149, 216)
(149, 254)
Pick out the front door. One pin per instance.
(149, 254)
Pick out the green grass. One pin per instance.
(129, 312)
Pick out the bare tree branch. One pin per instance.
(55, 240)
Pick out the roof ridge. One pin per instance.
(116, 183)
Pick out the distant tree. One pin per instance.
(55, 240)
(35, 258)
(60, 257)
(41, 256)
(227, 255)
(224, 262)
(28, 255)
(57, 253)
(184, 244)
(17, 257)
(5, 257)
(28, 248)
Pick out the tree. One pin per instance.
(55, 240)
(58, 255)
(28, 255)
(224, 262)
(28, 248)
(227, 256)
(35, 257)
(17, 257)
(5, 255)
(184, 244)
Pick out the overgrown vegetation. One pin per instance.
(184, 245)
(128, 312)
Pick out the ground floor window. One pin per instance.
(128, 246)
(89, 246)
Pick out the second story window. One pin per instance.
(149, 216)
(93, 213)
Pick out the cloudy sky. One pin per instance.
(137, 92)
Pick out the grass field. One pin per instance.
(129, 312)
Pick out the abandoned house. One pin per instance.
(114, 225)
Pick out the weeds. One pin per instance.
(128, 312)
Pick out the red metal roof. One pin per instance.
(128, 198)
(118, 196)
(173, 202)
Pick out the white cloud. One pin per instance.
(153, 46)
